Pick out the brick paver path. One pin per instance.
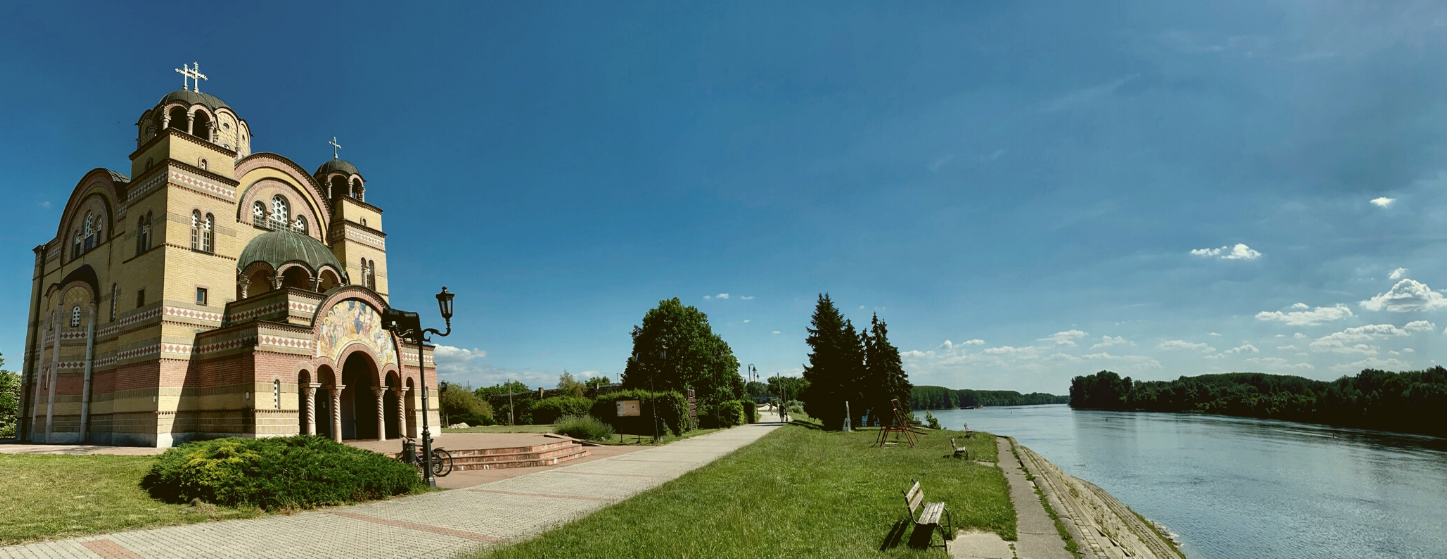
(440, 524)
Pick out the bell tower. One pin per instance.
(355, 234)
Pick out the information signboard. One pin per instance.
(629, 408)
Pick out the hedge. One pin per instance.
(672, 407)
(751, 411)
(548, 410)
(281, 473)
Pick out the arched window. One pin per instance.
(276, 394)
(99, 231)
(149, 162)
(75, 246)
(74, 316)
(364, 222)
(115, 294)
(357, 190)
(300, 226)
(208, 233)
(203, 164)
(89, 231)
(196, 230)
(280, 212)
(143, 233)
(258, 214)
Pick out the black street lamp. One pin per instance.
(408, 326)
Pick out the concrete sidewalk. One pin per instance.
(435, 524)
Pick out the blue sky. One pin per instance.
(1024, 191)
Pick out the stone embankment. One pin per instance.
(1101, 526)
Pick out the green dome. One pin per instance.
(194, 97)
(279, 247)
(338, 166)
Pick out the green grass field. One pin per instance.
(59, 496)
(798, 492)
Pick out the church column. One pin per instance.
(309, 392)
(401, 392)
(89, 368)
(276, 281)
(190, 123)
(242, 285)
(50, 384)
(337, 412)
(381, 413)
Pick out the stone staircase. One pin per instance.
(546, 454)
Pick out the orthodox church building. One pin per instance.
(214, 291)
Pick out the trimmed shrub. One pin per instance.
(583, 427)
(751, 411)
(283, 473)
(549, 410)
(672, 407)
(458, 402)
(728, 414)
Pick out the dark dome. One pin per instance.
(194, 97)
(338, 166)
(281, 246)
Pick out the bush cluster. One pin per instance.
(672, 408)
(728, 414)
(583, 427)
(751, 411)
(283, 473)
(549, 410)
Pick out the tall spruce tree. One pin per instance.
(884, 374)
(836, 360)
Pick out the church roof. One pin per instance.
(282, 246)
(337, 165)
(194, 97)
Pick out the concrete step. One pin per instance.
(467, 457)
(519, 463)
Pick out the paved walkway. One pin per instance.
(440, 524)
(1038, 537)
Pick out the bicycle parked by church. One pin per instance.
(411, 454)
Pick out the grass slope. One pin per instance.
(798, 492)
(58, 496)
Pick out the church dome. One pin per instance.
(337, 166)
(194, 98)
(280, 247)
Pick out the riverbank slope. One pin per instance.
(1101, 526)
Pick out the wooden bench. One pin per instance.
(959, 450)
(968, 432)
(929, 515)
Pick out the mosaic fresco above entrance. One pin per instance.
(353, 321)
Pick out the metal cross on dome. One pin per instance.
(189, 74)
(335, 146)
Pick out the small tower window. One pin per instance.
(208, 233)
(195, 230)
(201, 296)
(301, 224)
(75, 246)
(74, 316)
(258, 214)
(203, 164)
(143, 233)
(140, 298)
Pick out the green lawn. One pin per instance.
(502, 429)
(60, 496)
(798, 492)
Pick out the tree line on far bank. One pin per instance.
(1409, 402)
(941, 398)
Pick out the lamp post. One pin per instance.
(409, 327)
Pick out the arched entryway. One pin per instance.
(325, 401)
(359, 399)
(392, 412)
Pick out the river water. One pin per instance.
(1236, 488)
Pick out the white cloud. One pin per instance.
(1305, 317)
(746, 321)
(1007, 350)
(1299, 336)
(1372, 363)
(1234, 252)
(1300, 306)
(1213, 334)
(706, 297)
(1107, 341)
(1408, 350)
(940, 162)
(1066, 338)
(747, 297)
(1398, 273)
(1286, 348)
(976, 341)
(45, 204)
(1182, 344)
(1354, 340)
(1383, 201)
(721, 296)
(777, 332)
(1406, 296)
(1245, 348)
(992, 155)
(1279, 363)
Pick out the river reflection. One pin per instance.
(1237, 488)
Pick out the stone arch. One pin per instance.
(201, 123)
(296, 275)
(96, 191)
(264, 190)
(314, 198)
(362, 401)
(329, 278)
(257, 278)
